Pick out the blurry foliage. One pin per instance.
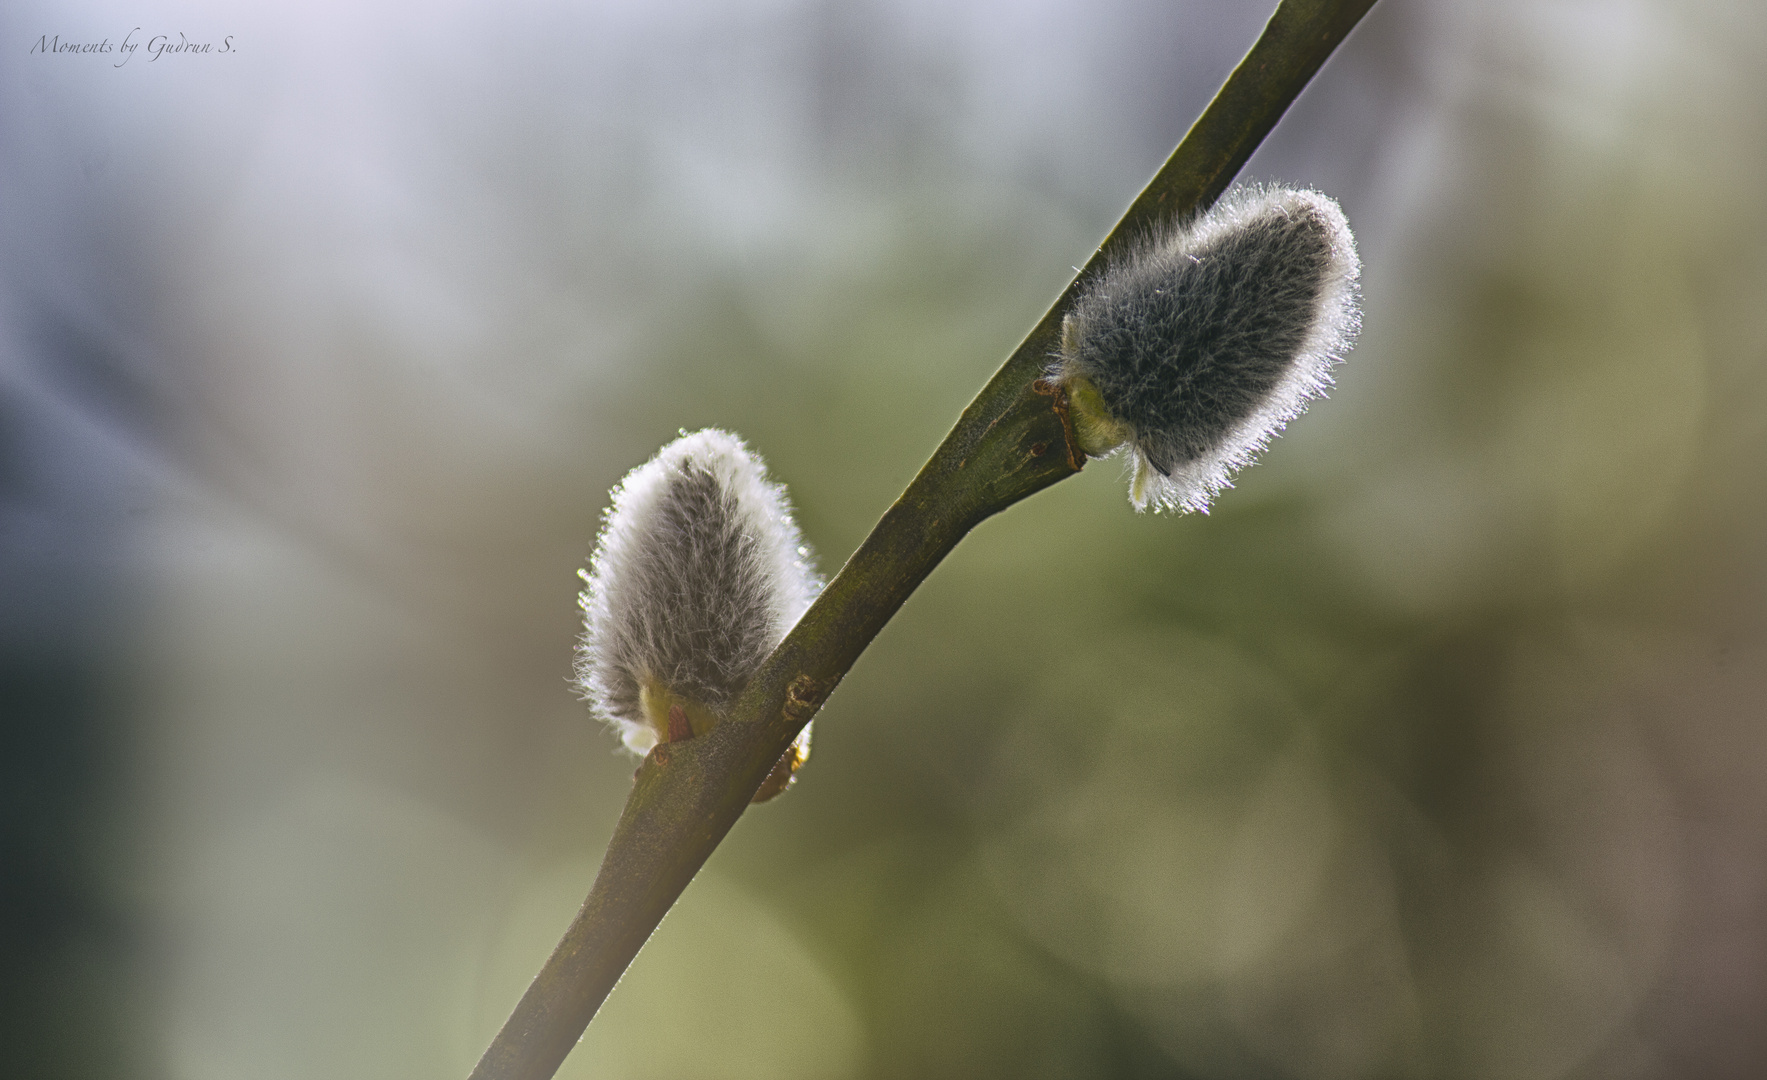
(1436, 750)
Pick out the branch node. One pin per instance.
(802, 698)
(1076, 456)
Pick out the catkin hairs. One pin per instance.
(698, 573)
(1195, 348)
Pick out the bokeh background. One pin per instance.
(1437, 750)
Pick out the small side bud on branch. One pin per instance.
(1198, 346)
(697, 575)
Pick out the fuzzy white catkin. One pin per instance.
(697, 575)
(1203, 342)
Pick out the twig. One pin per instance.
(1013, 440)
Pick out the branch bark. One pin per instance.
(1013, 440)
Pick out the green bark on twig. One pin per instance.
(1013, 440)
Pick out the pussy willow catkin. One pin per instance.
(1195, 348)
(698, 573)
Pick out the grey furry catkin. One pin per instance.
(1198, 346)
(698, 573)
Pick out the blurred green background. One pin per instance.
(1436, 750)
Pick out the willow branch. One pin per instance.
(1013, 440)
